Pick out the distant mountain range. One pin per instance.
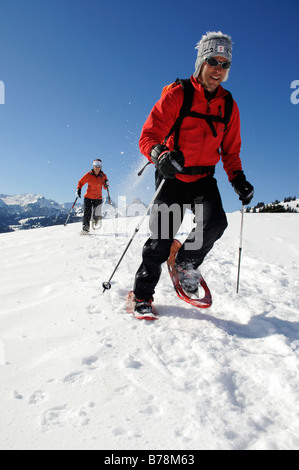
(26, 211)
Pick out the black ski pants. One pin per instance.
(203, 198)
(91, 205)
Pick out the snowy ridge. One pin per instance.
(293, 204)
(288, 205)
(25, 211)
(23, 200)
(77, 372)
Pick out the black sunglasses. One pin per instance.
(214, 63)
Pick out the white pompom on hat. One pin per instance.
(213, 44)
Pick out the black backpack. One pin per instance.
(186, 110)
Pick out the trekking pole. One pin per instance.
(107, 285)
(65, 223)
(240, 248)
(109, 199)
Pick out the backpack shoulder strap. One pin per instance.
(186, 110)
(188, 90)
(229, 102)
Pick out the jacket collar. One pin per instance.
(220, 92)
(93, 173)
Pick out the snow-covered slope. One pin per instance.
(78, 372)
(294, 204)
(288, 205)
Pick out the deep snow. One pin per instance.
(78, 372)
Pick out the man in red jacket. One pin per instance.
(187, 163)
(96, 180)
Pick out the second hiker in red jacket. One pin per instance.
(186, 158)
(96, 180)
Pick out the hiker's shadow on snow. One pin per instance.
(259, 326)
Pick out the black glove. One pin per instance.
(169, 163)
(78, 192)
(244, 189)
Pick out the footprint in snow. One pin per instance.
(36, 397)
(73, 377)
(88, 361)
(130, 363)
(61, 415)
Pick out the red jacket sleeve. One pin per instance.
(82, 181)
(105, 179)
(231, 144)
(159, 122)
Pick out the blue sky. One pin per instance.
(81, 77)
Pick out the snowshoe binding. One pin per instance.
(97, 223)
(187, 281)
(141, 309)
